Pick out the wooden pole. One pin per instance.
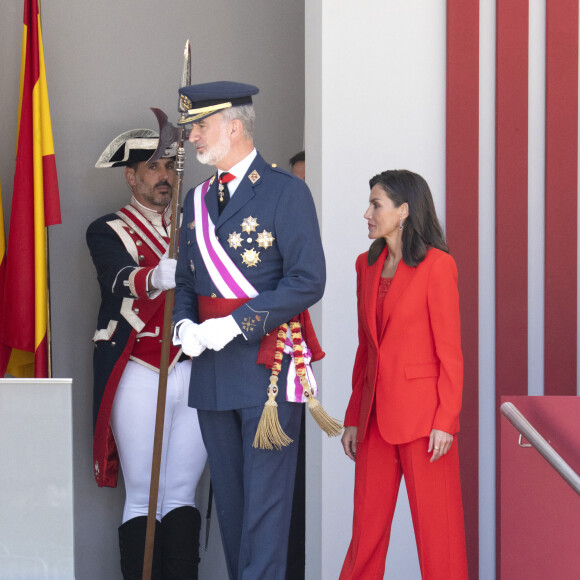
(163, 371)
(166, 131)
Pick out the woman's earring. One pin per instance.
(400, 222)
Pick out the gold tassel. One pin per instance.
(332, 427)
(269, 433)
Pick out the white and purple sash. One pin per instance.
(224, 273)
(294, 391)
(232, 283)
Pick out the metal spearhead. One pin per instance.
(185, 76)
(168, 133)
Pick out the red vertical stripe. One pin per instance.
(462, 162)
(511, 246)
(561, 197)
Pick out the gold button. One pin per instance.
(213, 295)
(141, 257)
(138, 243)
(274, 165)
(131, 231)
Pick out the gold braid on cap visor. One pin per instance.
(195, 114)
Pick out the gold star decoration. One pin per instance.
(235, 240)
(251, 258)
(265, 239)
(249, 224)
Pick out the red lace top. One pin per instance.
(384, 285)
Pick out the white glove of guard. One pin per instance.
(190, 343)
(215, 333)
(163, 275)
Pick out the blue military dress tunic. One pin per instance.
(270, 231)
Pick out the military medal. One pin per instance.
(249, 224)
(251, 258)
(223, 180)
(265, 239)
(235, 240)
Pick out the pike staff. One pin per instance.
(167, 134)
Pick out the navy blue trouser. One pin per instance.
(253, 489)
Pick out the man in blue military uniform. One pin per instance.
(128, 249)
(250, 259)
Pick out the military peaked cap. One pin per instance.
(206, 99)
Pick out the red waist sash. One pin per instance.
(213, 307)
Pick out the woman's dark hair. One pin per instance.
(421, 229)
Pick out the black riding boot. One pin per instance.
(180, 533)
(132, 546)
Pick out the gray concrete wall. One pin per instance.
(107, 62)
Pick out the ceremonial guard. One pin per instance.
(129, 249)
(250, 264)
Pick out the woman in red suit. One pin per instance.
(403, 414)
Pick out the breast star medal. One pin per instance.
(235, 240)
(265, 239)
(249, 224)
(251, 258)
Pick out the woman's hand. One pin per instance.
(349, 442)
(439, 442)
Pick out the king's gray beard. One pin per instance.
(213, 155)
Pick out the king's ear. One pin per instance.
(236, 127)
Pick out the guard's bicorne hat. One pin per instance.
(200, 101)
(132, 147)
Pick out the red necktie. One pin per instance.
(223, 192)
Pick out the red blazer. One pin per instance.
(413, 365)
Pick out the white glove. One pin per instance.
(215, 333)
(163, 275)
(190, 343)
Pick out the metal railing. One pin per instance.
(510, 412)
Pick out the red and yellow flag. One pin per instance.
(35, 205)
(4, 350)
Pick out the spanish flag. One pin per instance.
(24, 310)
(4, 350)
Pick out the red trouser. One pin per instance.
(434, 492)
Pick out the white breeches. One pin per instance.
(183, 455)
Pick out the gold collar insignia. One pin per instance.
(254, 176)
